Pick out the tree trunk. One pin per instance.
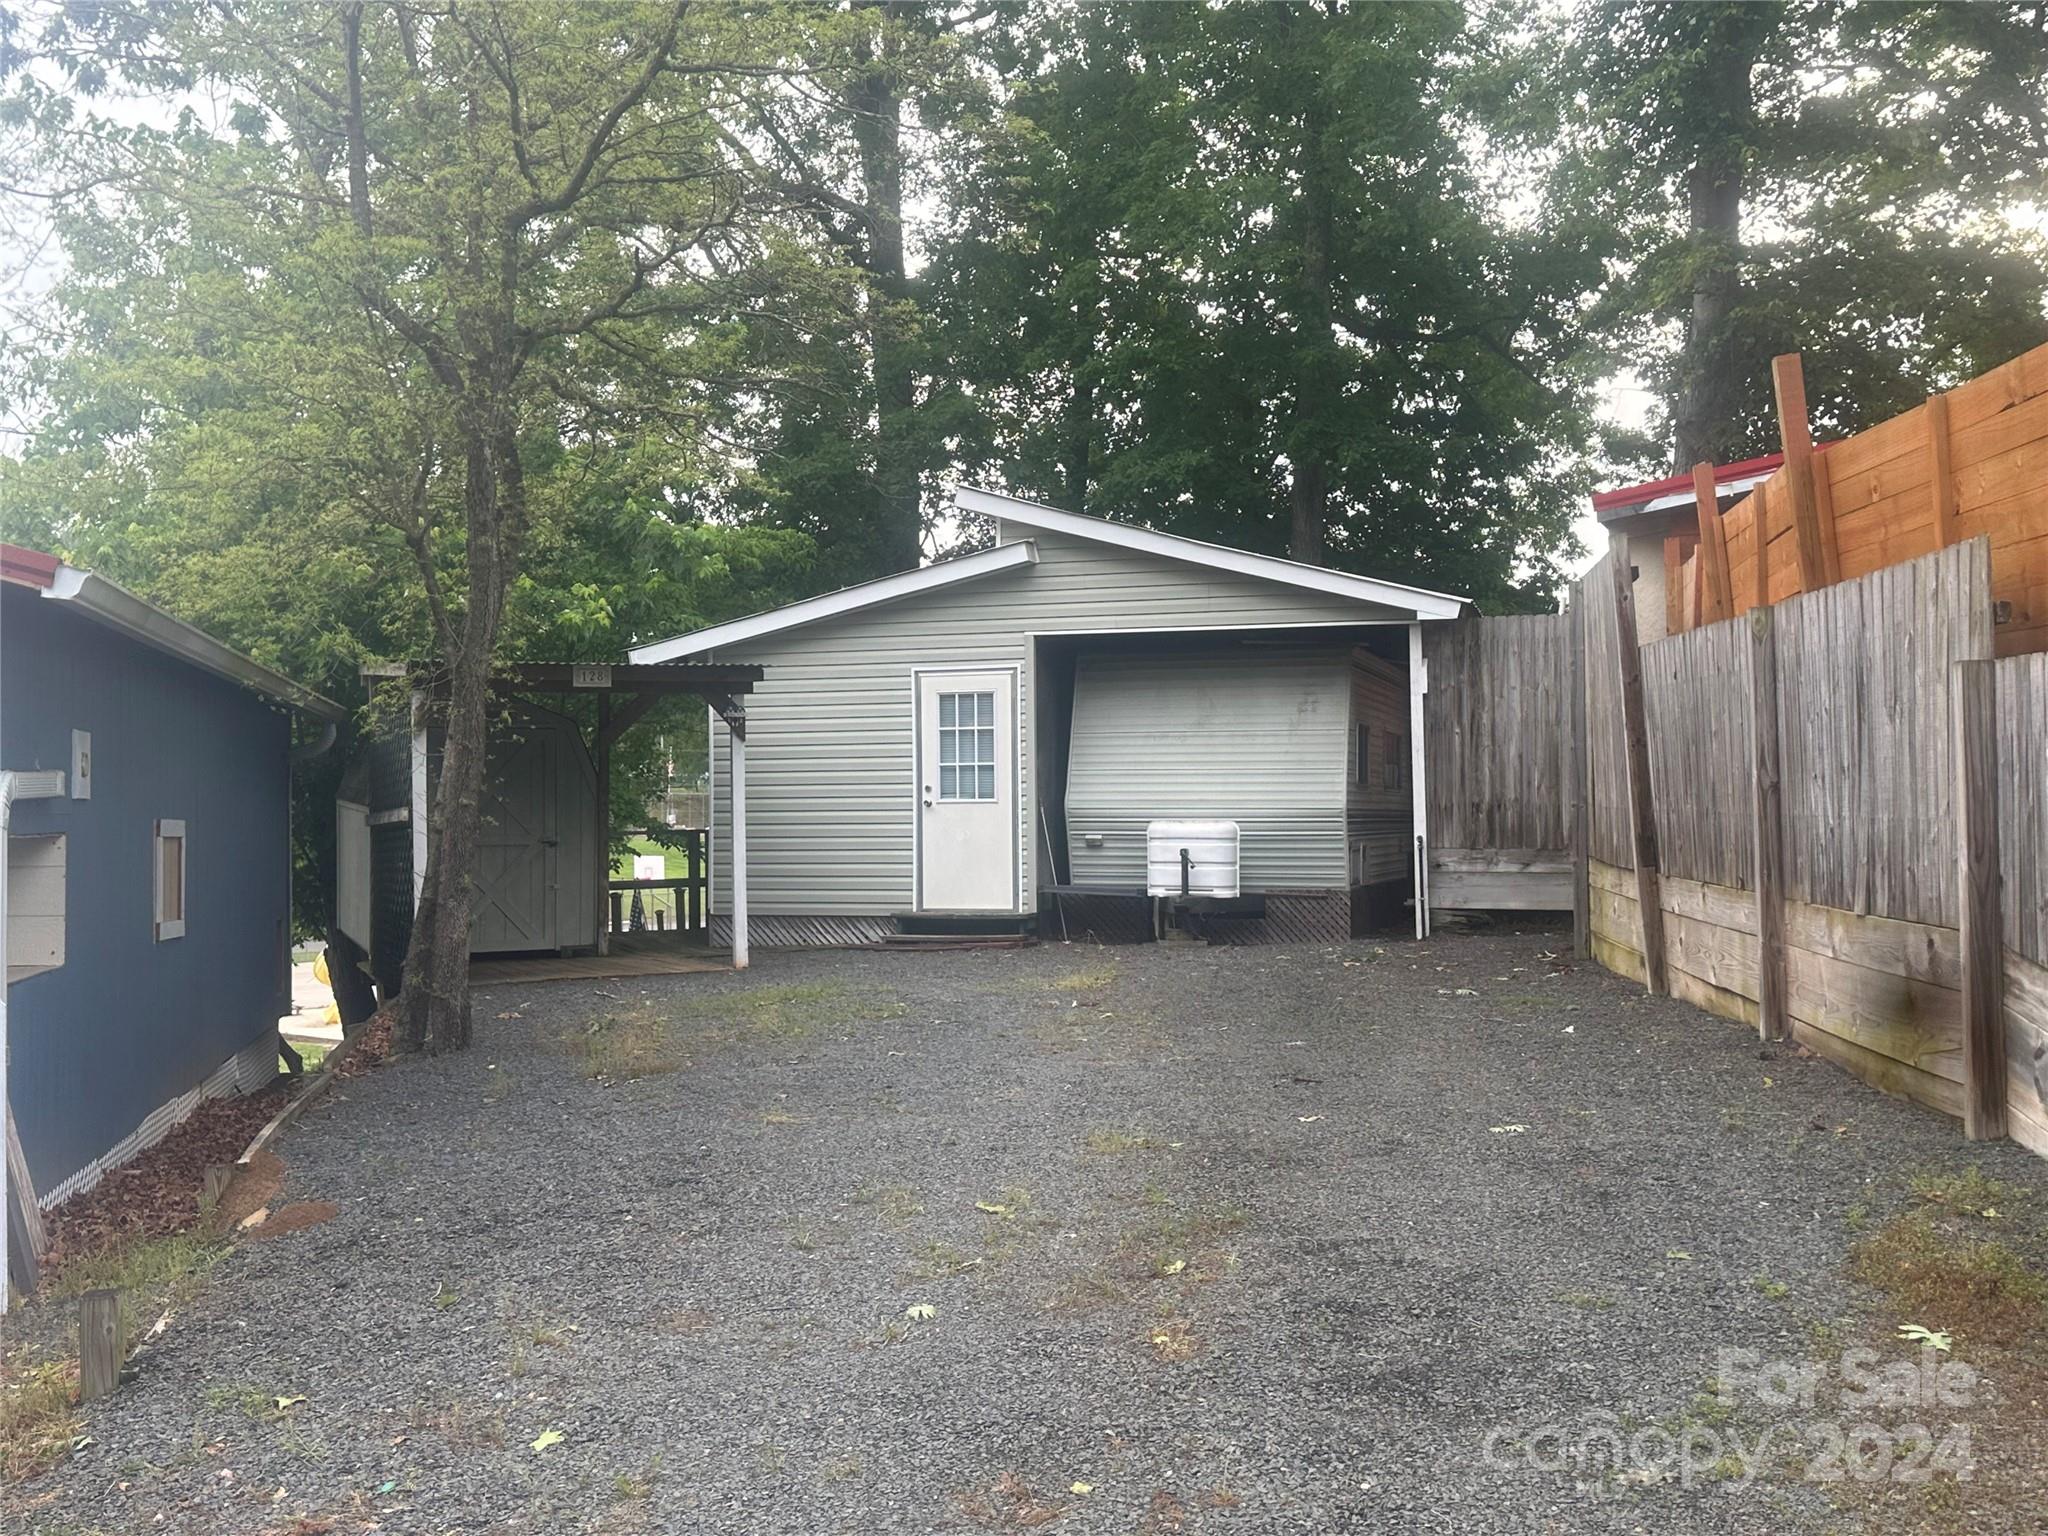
(877, 105)
(434, 1011)
(1708, 413)
(1079, 454)
(1318, 373)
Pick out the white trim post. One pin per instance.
(737, 736)
(1418, 685)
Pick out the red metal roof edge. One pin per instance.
(1672, 485)
(28, 567)
(1650, 490)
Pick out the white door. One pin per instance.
(967, 791)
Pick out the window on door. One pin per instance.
(967, 746)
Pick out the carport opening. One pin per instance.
(1298, 738)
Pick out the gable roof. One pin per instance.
(1415, 601)
(122, 611)
(829, 605)
(1419, 601)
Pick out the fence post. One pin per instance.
(1581, 770)
(1713, 544)
(102, 1343)
(1642, 813)
(1767, 809)
(1812, 536)
(1974, 700)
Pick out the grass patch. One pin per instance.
(1976, 1288)
(1088, 980)
(1972, 1192)
(1105, 1142)
(645, 1041)
(37, 1425)
(623, 1047)
(168, 1269)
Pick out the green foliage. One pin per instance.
(1126, 285)
(1886, 163)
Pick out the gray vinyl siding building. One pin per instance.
(1164, 680)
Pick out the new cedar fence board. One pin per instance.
(1884, 502)
(1496, 723)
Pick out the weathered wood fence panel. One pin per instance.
(1696, 688)
(1496, 723)
(1863, 716)
(1606, 745)
(2022, 703)
(2023, 802)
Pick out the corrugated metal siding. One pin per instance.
(830, 778)
(1255, 738)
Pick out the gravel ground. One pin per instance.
(1213, 1240)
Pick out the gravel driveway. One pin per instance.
(1146, 1239)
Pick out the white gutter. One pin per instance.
(44, 785)
(120, 609)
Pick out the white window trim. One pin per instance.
(168, 928)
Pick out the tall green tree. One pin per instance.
(445, 266)
(1847, 180)
(1238, 278)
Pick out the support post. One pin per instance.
(1974, 701)
(1767, 827)
(601, 752)
(1813, 540)
(1716, 580)
(1418, 685)
(1641, 807)
(1581, 782)
(102, 1343)
(737, 735)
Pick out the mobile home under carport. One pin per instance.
(974, 735)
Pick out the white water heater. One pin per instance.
(1196, 858)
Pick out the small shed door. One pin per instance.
(967, 791)
(518, 849)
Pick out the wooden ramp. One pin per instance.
(636, 954)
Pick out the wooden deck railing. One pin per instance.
(688, 908)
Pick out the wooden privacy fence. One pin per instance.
(1497, 728)
(1967, 464)
(1844, 834)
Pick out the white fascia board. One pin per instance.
(119, 609)
(1415, 601)
(868, 594)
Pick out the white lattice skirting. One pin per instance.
(772, 932)
(250, 1070)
